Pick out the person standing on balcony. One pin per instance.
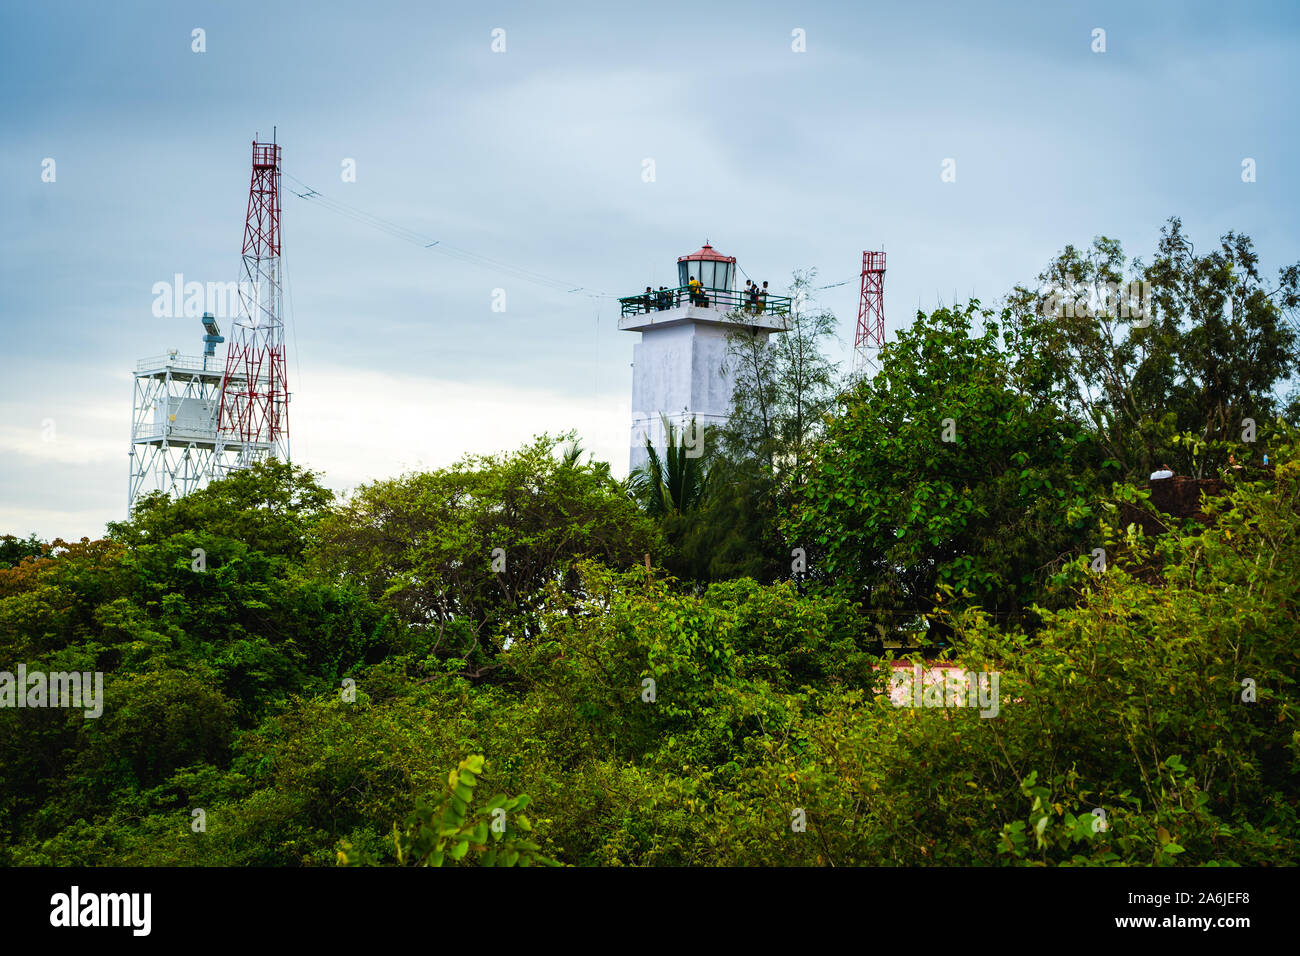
(762, 299)
(646, 298)
(694, 288)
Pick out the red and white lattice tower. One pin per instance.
(253, 421)
(871, 311)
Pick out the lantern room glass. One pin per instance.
(712, 273)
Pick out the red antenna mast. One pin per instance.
(871, 310)
(254, 416)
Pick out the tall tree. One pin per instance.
(1235, 348)
(942, 472)
(1203, 346)
(784, 388)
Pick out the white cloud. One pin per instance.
(51, 523)
(355, 425)
(67, 433)
(359, 425)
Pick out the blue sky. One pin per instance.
(534, 157)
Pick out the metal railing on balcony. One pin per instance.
(157, 430)
(180, 361)
(724, 300)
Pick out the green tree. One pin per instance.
(463, 554)
(675, 483)
(14, 549)
(941, 473)
(196, 632)
(1204, 345)
(1234, 348)
(497, 834)
(784, 388)
(734, 532)
(270, 506)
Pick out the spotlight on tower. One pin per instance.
(213, 337)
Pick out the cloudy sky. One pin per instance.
(533, 158)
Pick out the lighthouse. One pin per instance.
(679, 368)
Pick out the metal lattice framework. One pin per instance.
(871, 310)
(195, 418)
(253, 420)
(174, 443)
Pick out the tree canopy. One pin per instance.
(477, 665)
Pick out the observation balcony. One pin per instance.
(712, 306)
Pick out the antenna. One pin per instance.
(196, 419)
(253, 419)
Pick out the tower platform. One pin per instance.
(703, 315)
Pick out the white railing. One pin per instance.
(146, 432)
(189, 363)
(180, 361)
(180, 435)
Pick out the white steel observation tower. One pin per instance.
(679, 364)
(174, 442)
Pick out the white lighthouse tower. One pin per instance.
(679, 366)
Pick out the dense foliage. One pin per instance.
(942, 471)
(291, 679)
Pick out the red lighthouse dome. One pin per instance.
(712, 268)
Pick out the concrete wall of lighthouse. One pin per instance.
(678, 371)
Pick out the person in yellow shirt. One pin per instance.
(694, 287)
